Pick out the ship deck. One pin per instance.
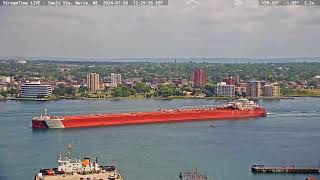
(97, 176)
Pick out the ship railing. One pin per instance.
(243, 106)
(200, 107)
(68, 159)
(48, 118)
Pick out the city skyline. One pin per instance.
(192, 83)
(169, 60)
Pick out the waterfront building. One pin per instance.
(106, 85)
(115, 79)
(132, 80)
(317, 79)
(156, 81)
(241, 89)
(6, 79)
(253, 88)
(178, 81)
(20, 61)
(200, 78)
(93, 80)
(271, 90)
(230, 80)
(102, 85)
(118, 79)
(35, 90)
(237, 79)
(223, 89)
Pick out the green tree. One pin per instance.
(70, 90)
(178, 92)
(209, 90)
(141, 88)
(166, 91)
(122, 91)
(148, 95)
(83, 89)
(60, 78)
(3, 93)
(12, 91)
(60, 90)
(187, 88)
(208, 93)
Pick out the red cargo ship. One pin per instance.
(242, 108)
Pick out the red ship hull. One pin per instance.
(147, 117)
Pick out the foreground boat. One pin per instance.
(71, 169)
(242, 108)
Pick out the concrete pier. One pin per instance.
(284, 169)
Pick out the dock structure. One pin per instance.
(284, 169)
(192, 175)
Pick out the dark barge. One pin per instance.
(284, 169)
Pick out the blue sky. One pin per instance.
(207, 28)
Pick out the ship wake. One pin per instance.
(295, 114)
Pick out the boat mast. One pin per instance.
(69, 151)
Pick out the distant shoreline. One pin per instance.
(222, 60)
(168, 98)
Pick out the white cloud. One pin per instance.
(220, 28)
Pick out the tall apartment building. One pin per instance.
(115, 79)
(223, 89)
(253, 88)
(93, 80)
(200, 78)
(35, 90)
(118, 78)
(271, 90)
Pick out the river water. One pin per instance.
(289, 135)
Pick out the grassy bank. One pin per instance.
(302, 92)
(170, 98)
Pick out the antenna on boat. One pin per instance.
(180, 176)
(45, 111)
(69, 151)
